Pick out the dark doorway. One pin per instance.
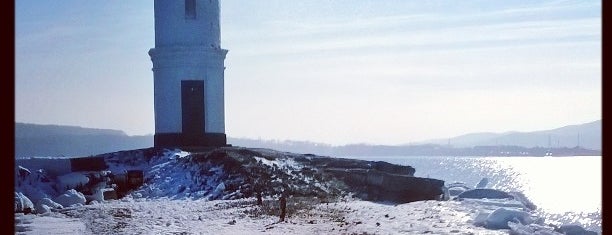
(192, 104)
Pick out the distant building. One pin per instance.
(188, 67)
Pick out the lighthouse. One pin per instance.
(188, 68)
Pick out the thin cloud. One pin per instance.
(504, 34)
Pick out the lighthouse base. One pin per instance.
(190, 140)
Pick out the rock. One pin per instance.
(109, 194)
(218, 192)
(393, 168)
(446, 195)
(40, 208)
(530, 229)
(48, 203)
(23, 204)
(227, 171)
(524, 200)
(482, 183)
(23, 172)
(103, 194)
(369, 180)
(381, 186)
(344, 163)
(458, 184)
(481, 193)
(456, 188)
(70, 198)
(454, 191)
(499, 218)
(574, 229)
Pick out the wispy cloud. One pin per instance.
(507, 34)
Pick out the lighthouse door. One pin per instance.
(192, 105)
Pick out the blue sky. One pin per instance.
(342, 71)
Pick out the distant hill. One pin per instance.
(284, 145)
(56, 140)
(26, 130)
(354, 150)
(586, 135)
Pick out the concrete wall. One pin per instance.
(170, 67)
(172, 28)
(187, 49)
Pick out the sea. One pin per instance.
(566, 190)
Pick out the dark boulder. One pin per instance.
(480, 193)
(393, 168)
(572, 229)
(377, 185)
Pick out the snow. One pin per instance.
(35, 185)
(169, 176)
(499, 218)
(345, 216)
(55, 224)
(43, 209)
(45, 205)
(265, 161)
(287, 164)
(71, 198)
(72, 180)
(180, 154)
(23, 203)
(242, 216)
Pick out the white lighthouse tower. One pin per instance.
(188, 74)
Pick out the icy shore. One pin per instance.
(187, 193)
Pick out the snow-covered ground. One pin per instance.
(242, 216)
(166, 216)
(184, 194)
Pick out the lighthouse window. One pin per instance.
(190, 9)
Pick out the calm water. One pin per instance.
(565, 189)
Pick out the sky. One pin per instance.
(336, 72)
